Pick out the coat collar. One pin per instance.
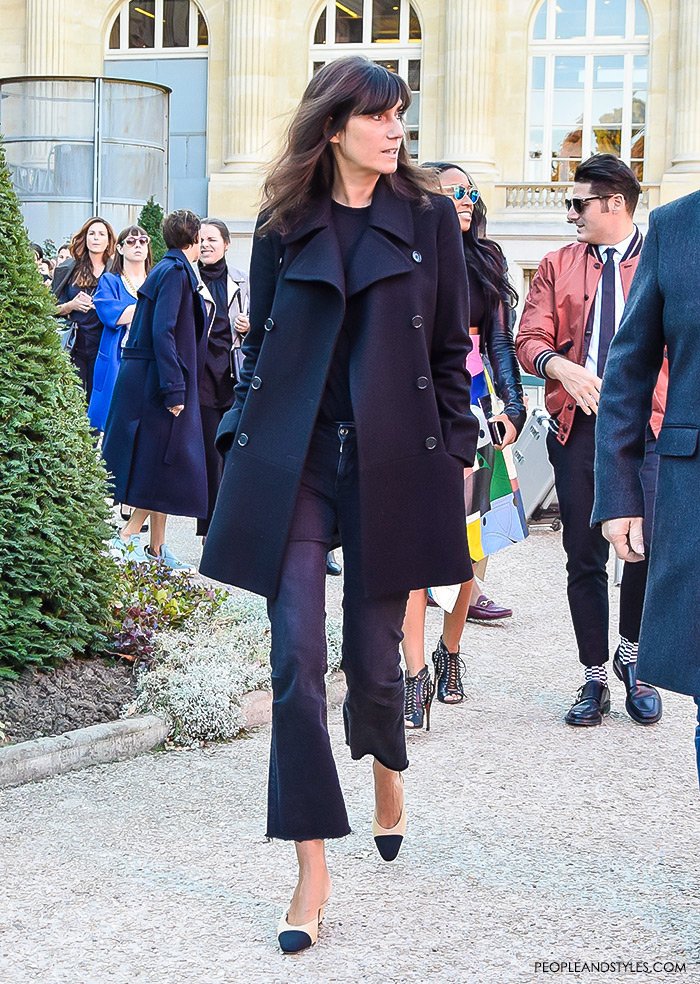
(377, 254)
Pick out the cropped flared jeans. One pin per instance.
(305, 801)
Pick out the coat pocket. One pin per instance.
(677, 441)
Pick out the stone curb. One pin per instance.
(43, 758)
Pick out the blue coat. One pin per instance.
(111, 300)
(662, 311)
(157, 459)
(408, 384)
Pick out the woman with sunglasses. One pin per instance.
(351, 424)
(115, 304)
(74, 286)
(492, 300)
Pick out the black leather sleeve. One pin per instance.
(500, 351)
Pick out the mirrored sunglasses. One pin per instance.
(458, 192)
(132, 240)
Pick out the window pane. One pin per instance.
(320, 32)
(176, 24)
(536, 144)
(607, 140)
(608, 80)
(413, 26)
(202, 32)
(385, 20)
(571, 19)
(114, 33)
(568, 90)
(639, 92)
(390, 66)
(538, 71)
(142, 23)
(348, 22)
(51, 169)
(539, 30)
(318, 66)
(641, 20)
(610, 18)
(414, 75)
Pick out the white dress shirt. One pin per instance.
(620, 250)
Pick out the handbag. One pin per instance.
(67, 330)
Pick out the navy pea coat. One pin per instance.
(409, 389)
(157, 459)
(662, 311)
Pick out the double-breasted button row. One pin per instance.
(256, 382)
(242, 440)
(416, 321)
(422, 382)
(431, 443)
(269, 324)
(417, 256)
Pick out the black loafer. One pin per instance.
(592, 702)
(333, 568)
(643, 702)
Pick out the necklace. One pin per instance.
(129, 285)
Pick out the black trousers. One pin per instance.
(305, 801)
(586, 548)
(211, 418)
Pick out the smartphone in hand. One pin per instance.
(497, 429)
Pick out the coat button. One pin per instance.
(256, 382)
(417, 321)
(431, 443)
(242, 440)
(416, 256)
(422, 382)
(269, 324)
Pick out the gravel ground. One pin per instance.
(527, 841)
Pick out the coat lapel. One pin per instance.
(318, 259)
(377, 255)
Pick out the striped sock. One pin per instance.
(628, 651)
(598, 673)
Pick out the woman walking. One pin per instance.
(115, 304)
(492, 357)
(153, 437)
(228, 289)
(351, 424)
(74, 285)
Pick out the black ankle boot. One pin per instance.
(420, 691)
(448, 675)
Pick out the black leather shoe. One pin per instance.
(592, 702)
(333, 568)
(643, 702)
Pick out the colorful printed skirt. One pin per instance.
(492, 499)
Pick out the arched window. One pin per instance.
(589, 66)
(158, 25)
(387, 31)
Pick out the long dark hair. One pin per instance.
(83, 275)
(483, 256)
(117, 266)
(305, 169)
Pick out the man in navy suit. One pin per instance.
(662, 316)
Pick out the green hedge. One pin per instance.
(55, 582)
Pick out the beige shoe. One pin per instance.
(293, 939)
(390, 839)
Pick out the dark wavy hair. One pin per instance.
(118, 260)
(83, 275)
(305, 168)
(483, 256)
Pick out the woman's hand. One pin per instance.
(176, 411)
(81, 302)
(241, 324)
(511, 433)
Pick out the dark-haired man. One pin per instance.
(571, 314)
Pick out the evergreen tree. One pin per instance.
(56, 584)
(151, 219)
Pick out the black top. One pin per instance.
(336, 404)
(216, 386)
(477, 302)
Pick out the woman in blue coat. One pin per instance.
(115, 304)
(153, 442)
(351, 423)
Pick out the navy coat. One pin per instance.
(157, 459)
(408, 384)
(662, 310)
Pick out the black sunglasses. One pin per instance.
(458, 192)
(578, 204)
